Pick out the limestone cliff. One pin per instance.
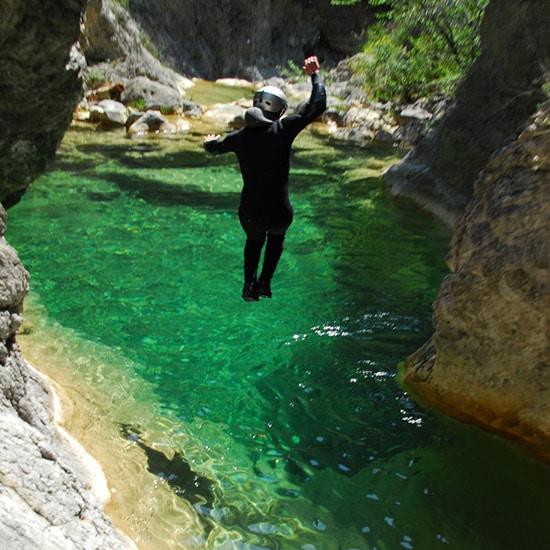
(45, 496)
(234, 38)
(488, 360)
(492, 104)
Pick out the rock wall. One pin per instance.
(39, 86)
(488, 360)
(238, 38)
(45, 489)
(114, 48)
(501, 91)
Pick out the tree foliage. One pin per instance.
(420, 47)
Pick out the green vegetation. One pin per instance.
(292, 71)
(138, 104)
(419, 47)
(95, 78)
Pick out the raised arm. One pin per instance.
(318, 100)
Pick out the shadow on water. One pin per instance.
(158, 193)
(150, 156)
(175, 471)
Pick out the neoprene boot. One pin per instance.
(250, 291)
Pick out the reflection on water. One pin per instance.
(278, 424)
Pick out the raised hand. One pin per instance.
(211, 137)
(311, 65)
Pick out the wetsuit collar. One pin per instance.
(255, 118)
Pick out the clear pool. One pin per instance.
(286, 424)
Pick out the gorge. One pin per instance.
(487, 362)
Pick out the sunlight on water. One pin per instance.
(278, 424)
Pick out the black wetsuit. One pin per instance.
(264, 156)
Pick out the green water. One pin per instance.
(292, 418)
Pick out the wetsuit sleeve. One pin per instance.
(317, 101)
(212, 146)
(222, 145)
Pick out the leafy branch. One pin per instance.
(420, 47)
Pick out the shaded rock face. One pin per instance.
(114, 49)
(488, 360)
(39, 86)
(500, 92)
(238, 38)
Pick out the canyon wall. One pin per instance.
(488, 360)
(237, 38)
(49, 498)
(502, 89)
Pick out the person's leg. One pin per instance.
(252, 253)
(255, 239)
(273, 250)
(279, 223)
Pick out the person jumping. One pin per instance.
(263, 149)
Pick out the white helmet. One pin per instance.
(271, 101)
